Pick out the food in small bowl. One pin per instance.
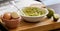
(33, 14)
(7, 16)
(11, 21)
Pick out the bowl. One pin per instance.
(32, 18)
(12, 23)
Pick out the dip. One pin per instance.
(33, 11)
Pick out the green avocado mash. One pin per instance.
(33, 11)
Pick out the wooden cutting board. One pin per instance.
(47, 24)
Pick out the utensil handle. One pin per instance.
(38, 0)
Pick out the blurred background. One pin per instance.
(55, 4)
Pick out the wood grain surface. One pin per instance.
(47, 24)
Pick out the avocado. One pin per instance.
(51, 13)
(56, 17)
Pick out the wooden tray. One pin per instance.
(47, 24)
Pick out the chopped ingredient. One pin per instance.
(14, 15)
(33, 11)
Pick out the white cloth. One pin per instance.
(23, 3)
(19, 4)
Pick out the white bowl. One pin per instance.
(33, 18)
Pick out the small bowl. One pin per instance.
(33, 18)
(13, 23)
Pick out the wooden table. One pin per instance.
(47, 24)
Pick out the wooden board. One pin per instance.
(47, 24)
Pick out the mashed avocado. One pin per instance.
(33, 11)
